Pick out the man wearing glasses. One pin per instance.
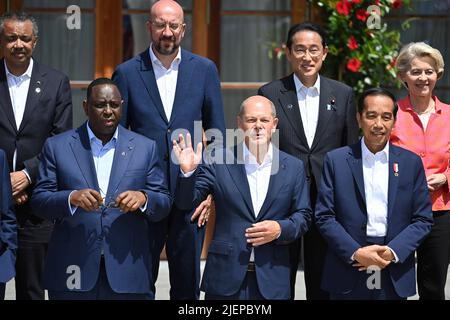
(316, 115)
(103, 186)
(165, 89)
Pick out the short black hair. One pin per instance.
(97, 82)
(308, 26)
(18, 16)
(377, 92)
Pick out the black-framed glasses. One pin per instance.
(161, 25)
(313, 52)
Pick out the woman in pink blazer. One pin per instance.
(423, 126)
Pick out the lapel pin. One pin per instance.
(37, 90)
(289, 106)
(395, 169)
(124, 153)
(330, 106)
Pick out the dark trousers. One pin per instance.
(2, 291)
(361, 291)
(29, 270)
(184, 241)
(433, 257)
(315, 249)
(249, 290)
(101, 291)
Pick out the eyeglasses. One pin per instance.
(110, 201)
(313, 52)
(159, 25)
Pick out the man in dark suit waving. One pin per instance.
(165, 89)
(35, 103)
(262, 205)
(316, 115)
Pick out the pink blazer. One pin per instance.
(433, 145)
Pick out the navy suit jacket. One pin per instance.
(8, 226)
(78, 239)
(287, 202)
(197, 98)
(341, 216)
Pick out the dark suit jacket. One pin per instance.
(197, 98)
(287, 202)
(48, 111)
(336, 127)
(8, 226)
(78, 239)
(341, 216)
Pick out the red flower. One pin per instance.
(377, 2)
(356, 1)
(352, 43)
(343, 7)
(354, 64)
(397, 4)
(361, 14)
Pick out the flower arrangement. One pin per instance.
(361, 48)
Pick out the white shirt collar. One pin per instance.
(249, 158)
(156, 61)
(299, 85)
(27, 73)
(381, 155)
(93, 137)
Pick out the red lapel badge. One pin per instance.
(396, 169)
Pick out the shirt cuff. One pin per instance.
(188, 174)
(395, 256)
(27, 174)
(71, 208)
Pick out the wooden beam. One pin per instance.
(298, 10)
(200, 12)
(108, 36)
(214, 32)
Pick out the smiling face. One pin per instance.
(17, 43)
(306, 56)
(103, 109)
(421, 77)
(376, 121)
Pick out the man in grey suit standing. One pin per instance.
(316, 115)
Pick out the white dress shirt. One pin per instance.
(258, 177)
(308, 101)
(376, 182)
(166, 79)
(18, 91)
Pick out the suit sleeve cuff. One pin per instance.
(72, 209)
(27, 174)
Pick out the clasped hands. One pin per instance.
(373, 255)
(91, 200)
(19, 184)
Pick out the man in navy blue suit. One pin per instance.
(8, 227)
(373, 209)
(262, 205)
(166, 89)
(102, 185)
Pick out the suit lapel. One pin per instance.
(148, 77)
(185, 71)
(355, 163)
(289, 105)
(239, 177)
(394, 175)
(82, 153)
(35, 91)
(278, 178)
(124, 151)
(326, 95)
(5, 100)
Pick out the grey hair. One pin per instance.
(21, 17)
(272, 106)
(419, 50)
